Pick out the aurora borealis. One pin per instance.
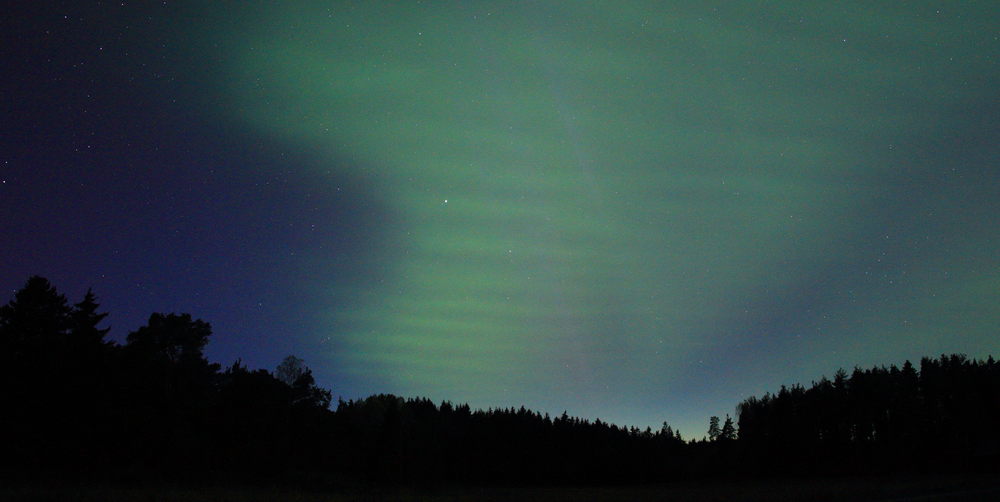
(637, 211)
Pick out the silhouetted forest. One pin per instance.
(77, 406)
(896, 420)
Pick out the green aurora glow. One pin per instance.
(640, 211)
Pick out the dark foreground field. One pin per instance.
(895, 489)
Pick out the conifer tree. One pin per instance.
(728, 432)
(713, 428)
(84, 319)
(36, 319)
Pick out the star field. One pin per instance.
(637, 212)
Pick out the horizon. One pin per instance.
(916, 366)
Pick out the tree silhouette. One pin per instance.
(666, 430)
(290, 369)
(713, 429)
(293, 372)
(728, 432)
(53, 379)
(37, 319)
(880, 419)
(172, 338)
(170, 389)
(84, 320)
(33, 328)
(156, 409)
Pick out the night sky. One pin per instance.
(632, 211)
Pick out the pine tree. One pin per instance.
(713, 429)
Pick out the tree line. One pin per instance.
(901, 420)
(75, 405)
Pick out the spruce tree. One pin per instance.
(728, 432)
(84, 320)
(35, 320)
